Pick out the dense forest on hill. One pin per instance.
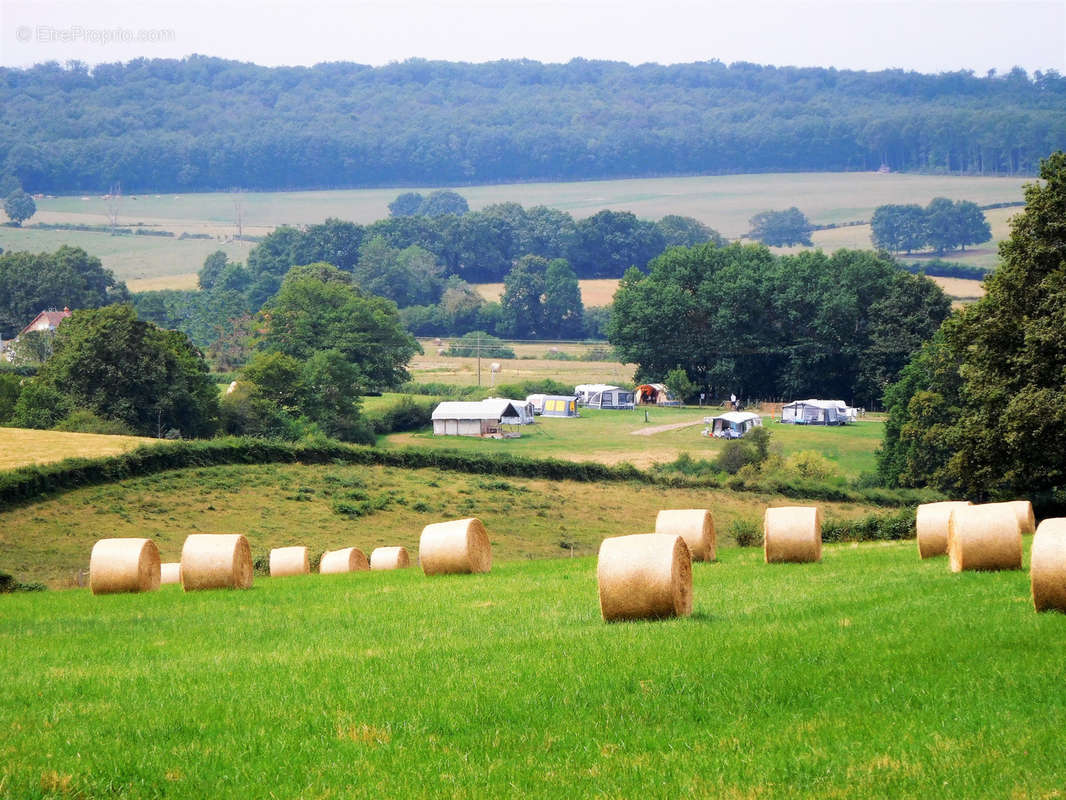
(205, 123)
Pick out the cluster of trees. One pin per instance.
(323, 344)
(980, 411)
(35, 282)
(19, 207)
(318, 346)
(942, 225)
(781, 228)
(740, 320)
(425, 264)
(209, 124)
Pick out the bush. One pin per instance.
(736, 454)
(81, 420)
(872, 528)
(475, 342)
(811, 464)
(9, 584)
(746, 532)
(407, 414)
(39, 406)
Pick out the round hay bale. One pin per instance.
(389, 558)
(350, 559)
(216, 561)
(932, 526)
(124, 565)
(984, 537)
(1023, 509)
(694, 525)
(1047, 570)
(285, 561)
(458, 546)
(644, 576)
(792, 534)
(170, 572)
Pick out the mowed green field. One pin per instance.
(614, 437)
(726, 203)
(868, 675)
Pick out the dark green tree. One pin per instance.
(406, 204)
(121, 368)
(679, 231)
(899, 228)
(989, 392)
(523, 299)
(564, 313)
(212, 269)
(19, 207)
(610, 242)
(318, 308)
(781, 228)
(972, 226)
(941, 220)
(443, 201)
(34, 282)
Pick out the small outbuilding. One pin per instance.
(497, 421)
(654, 394)
(554, 405)
(523, 407)
(603, 395)
(817, 412)
(731, 425)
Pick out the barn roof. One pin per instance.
(52, 318)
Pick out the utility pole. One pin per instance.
(479, 359)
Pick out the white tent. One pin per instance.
(817, 412)
(603, 395)
(731, 425)
(524, 408)
(475, 419)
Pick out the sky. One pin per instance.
(922, 35)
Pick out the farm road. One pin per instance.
(660, 428)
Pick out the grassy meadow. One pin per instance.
(724, 202)
(614, 437)
(869, 675)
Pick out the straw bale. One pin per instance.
(458, 546)
(285, 561)
(792, 533)
(932, 526)
(350, 559)
(984, 537)
(389, 558)
(170, 572)
(644, 576)
(1047, 571)
(694, 525)
(1023, 509)
(216, 561)
(124, 565)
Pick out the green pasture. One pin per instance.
(869, 675)
(724, 202)
(611, 437)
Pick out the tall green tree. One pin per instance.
(899, 228)
(121, 368)
(318, 308)
(679, 231)
(996, 387)
(19, 207)
(781, 228)
(522, 302)
(34, 282)
(564, 313)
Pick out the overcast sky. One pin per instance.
(926, 35)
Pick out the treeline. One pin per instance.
(209, 124)
(426, 265)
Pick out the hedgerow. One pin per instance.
(31, 482)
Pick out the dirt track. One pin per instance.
(660, 428)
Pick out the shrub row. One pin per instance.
(938, 268)
(28, 483)
(872, 528)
